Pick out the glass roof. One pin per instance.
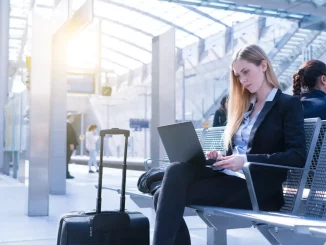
(130, 37)
(128, 26)
(19, 10)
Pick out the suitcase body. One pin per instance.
(108, 227)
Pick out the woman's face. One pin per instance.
(251, 76)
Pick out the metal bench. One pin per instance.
(223, 218)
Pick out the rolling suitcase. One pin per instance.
(105, 227)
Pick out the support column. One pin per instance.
(4, 51)
(15, 164)
(82, 132)
(163, 89)
(58, 96)
(40, 94)
(58, 111)
(22, 167)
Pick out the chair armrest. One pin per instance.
(250, 185)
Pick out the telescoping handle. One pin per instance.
(113, 131)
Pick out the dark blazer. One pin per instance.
(277, 137)
(219, 118)
(71, 136)
(314, 104)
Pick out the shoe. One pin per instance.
(91, 171)
(70, 177)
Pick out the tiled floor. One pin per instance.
(16, 228)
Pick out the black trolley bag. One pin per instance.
(107, 227)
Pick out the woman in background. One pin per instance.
(220, 114)
(309, 84)
(91, 139)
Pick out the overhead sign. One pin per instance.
(138, 124)
(81, 83)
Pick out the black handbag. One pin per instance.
(151, 181)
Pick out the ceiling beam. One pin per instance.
(276, 8)
(122, 53)
(127, 26)
(127, 42)
(121, 5)
(116, 63)
(197, 11)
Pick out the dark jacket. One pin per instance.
(71, 136)
(277, 137)
(314, 104)
(219, 118)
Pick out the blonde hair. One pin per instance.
(239, 97)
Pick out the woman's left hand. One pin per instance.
(233, 162)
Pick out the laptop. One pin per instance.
(181, 143)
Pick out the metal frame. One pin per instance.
(114, 62)
(125, 25)
(121, 53)
(308, 15)
(125, 41)
(197, 11)
(271, 8)
(306, 169)
(151, 16)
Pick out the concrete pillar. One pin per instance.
(15, 164)
(163, 89)
(58, 112)
(4, 53)
(58, 97)
(40, 94)
(22, 167)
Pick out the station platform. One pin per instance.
(19, 229)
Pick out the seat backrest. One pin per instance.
(166, 161)
(316, 203)
(214, 139)
(316, 155)
(294, 185)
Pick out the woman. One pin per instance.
(311, 78)
(91, 139)
(220, 114)
(264, 125)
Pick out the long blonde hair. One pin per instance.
(239, 97)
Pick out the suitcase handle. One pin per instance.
(113, 131)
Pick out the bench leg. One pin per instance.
(216, 237)
(265, 231)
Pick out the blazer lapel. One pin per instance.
(262, 115)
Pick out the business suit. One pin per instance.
(71, 140)
(277, 137)
(314, 104)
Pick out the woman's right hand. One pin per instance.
(214, 154)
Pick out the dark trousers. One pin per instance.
(69, 153)
(193, 184)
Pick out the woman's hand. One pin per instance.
(212, 154)
(233, 162)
